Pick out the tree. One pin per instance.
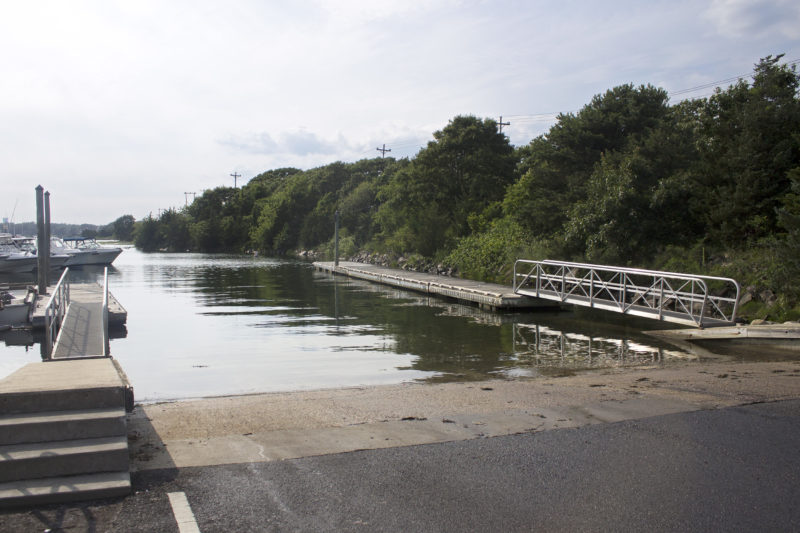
(555, 168)
(467, 166)
(750, 143)
(122, 228)
(637, 199)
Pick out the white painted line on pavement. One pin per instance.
(183, 512)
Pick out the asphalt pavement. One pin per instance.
(730, 469)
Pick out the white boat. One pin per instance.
(16, 307)
(84, 251)
(28, 244)
(13, 259)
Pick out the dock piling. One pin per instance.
(41, 277)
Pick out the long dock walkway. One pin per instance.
(486, 295)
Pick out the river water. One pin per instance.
(206, 325)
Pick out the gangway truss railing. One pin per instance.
(55, 311)
(688, 299)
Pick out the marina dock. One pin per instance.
(82, 329)
(63, 425)
(83, 294)
(490, 296)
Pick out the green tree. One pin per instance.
(750, 143)
(467, 166)
(123, 228)
(555, 168)
(146, 234)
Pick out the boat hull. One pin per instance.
(93, 257)
(14, 315)
(12, 263)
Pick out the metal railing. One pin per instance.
(54, 312)
(669, 296)
(106, 341)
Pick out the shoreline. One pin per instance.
(282, 425)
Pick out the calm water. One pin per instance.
(201, 325)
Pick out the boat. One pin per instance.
(84, 251)
(28, 244)
(16, 307)
(12, 259)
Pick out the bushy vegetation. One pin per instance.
(705, 186)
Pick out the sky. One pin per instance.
(124, 107)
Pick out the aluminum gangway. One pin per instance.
(688, 299)
(76, 320)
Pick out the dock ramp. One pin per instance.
(687, 299)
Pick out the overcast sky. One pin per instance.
(122, 107)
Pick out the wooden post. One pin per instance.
(40, 236)
(45, 250)
(336, 239)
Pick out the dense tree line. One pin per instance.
(121, 229)
(709, 185)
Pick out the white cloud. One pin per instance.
(759, 18)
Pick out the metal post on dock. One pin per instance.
(40, 236)
(336, 238)
(45, 250)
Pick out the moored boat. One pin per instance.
(13, 259)
(28, 244)
(16, 307)
(85, 251)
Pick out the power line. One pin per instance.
(549, 117)
(715, 84)
(234, 176)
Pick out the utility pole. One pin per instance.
(501, 124)
(383, 150)
(186, 196)
(336, 239)
(234, 176)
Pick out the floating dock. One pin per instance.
(83, 294)
(766, 337)
(490, 296)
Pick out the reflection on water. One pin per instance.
(203, 325)
(540, 346)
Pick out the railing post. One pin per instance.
(106, 346)
(624, 299)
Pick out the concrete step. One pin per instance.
(62, 425)
(64, 458)
(65, 386)
(67, 399)
(65, 489)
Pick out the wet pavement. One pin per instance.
(728, 469)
